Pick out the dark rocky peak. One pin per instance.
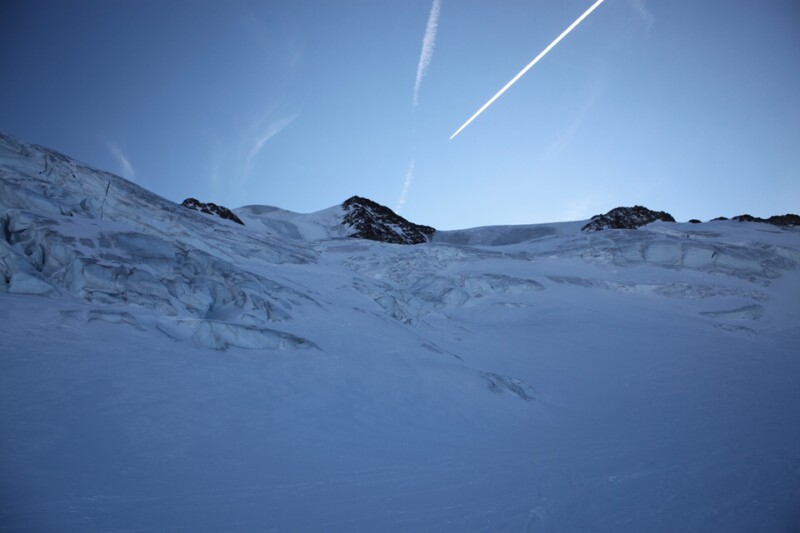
(211, 209)
(371, 220)
(748, 218)
(787, 221)
(626, 218)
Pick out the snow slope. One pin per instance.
(166, 370)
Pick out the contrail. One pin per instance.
(425, 56)
(428, 42)
(401, 203)
(527, 68)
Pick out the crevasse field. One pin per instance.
(165, 370)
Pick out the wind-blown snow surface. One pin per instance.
(166, 370)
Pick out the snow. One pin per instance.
(322, 225)
(161, 369)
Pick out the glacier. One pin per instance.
(164, 369)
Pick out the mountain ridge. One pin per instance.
(93, 195)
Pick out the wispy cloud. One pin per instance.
(579, 209)
(276, 37)
(233, 157)
(215, 153)
(428, 44)
(268, 129)
(584, 207)
(567, 134)
(641, 8)
(401, 203)
(126, 168)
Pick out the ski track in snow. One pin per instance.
(166, 370)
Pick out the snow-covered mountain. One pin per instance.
(166, 369)
(356, 217)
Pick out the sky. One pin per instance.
(686, 106)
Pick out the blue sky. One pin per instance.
(688, 106)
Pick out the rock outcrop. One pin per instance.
(787, 221)
(370, 220)
(626, 218)
(211, 209)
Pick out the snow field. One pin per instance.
(163, 370)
